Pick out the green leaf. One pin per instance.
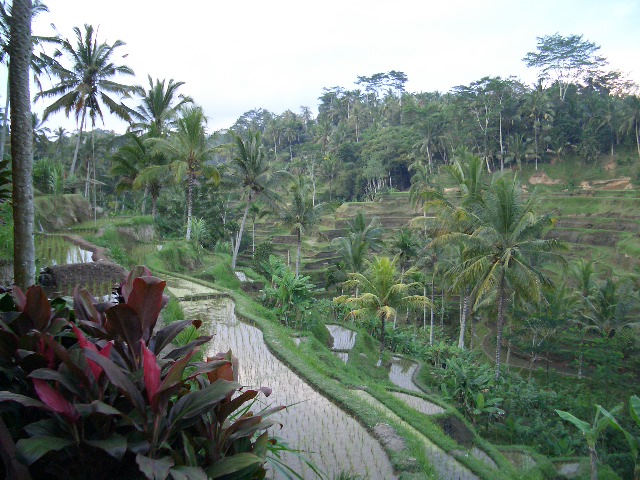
(115, 445)
(196, 403)
(634, 409)
(48, 374)
(49, 427)
(166, 335)
(188, 473)
(154, 469)
(118, 377)
(581, 425)
(233, 464)
(31, 449)
(21, 399)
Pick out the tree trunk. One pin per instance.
(75, 154)
(236, 248)
(432, 305)
(593, 460)
(463, 320)
(500, 323)
(154, 204)
(382, 339)
(191, 178)
(299, 238)
(22, 145)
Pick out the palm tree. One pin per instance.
(160, 106)
(361, 237)
(137, 168)
(187, 149)
(87, 83)
(330, 167)
(499, 251)
(383, 292)
(251, 172)
(631, 118)
(300, 215)
(608, 309)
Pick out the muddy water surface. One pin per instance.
(335, 441)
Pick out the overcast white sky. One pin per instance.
(279, 54)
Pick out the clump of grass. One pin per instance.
(173, 311)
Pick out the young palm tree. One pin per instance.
(382, 293)
(138, 169)
(87, 83)
(300, 215)
(251, 173)
(499, 251)
(187, 149)
(160, 106)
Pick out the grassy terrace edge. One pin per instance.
(282, 346)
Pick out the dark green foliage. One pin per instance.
(261, 257)
(290, 296)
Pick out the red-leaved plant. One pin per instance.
(92, 390)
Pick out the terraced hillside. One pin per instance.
(598, 224)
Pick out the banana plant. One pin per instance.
(633, 441)
(591, 432)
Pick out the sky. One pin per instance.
(280, 54)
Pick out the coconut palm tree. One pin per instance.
(160, 106)
(187, 149)
(251, 173)
(300, 215)
(382, 293)
(138, 169)
(499, 251)
(87, 83)
(631, 118)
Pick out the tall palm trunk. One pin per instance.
(383, 325)
(75, 154)
(432, 307)
(500, 322)
(191, 180)
(299, 239)
(236, 247)
(21, 145)
(463, 319)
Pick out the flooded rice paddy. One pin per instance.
(52, 250)
(342, 340)
(401, 374)
(419, 404)
(335, 441)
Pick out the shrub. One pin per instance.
(89, 390)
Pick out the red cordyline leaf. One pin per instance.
(19, 297)
(151, 372)
(54, 400)
(226, 372)
(96, 369)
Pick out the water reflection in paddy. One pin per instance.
(401, 374)
(337, 442)
(53, 250)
